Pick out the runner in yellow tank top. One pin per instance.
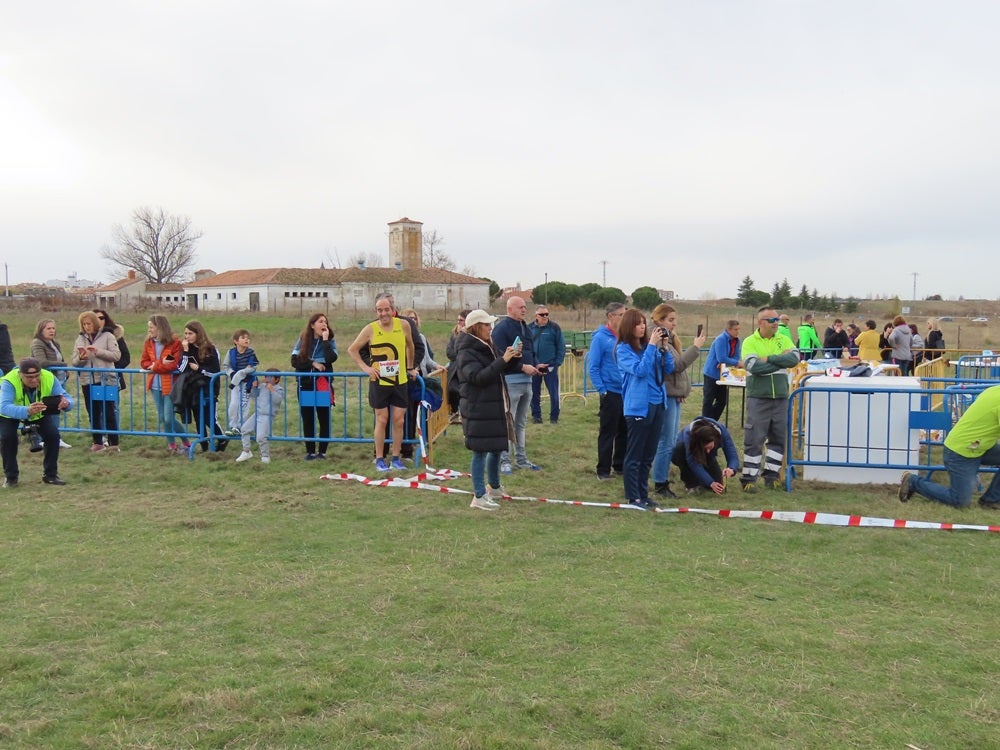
(390, 343)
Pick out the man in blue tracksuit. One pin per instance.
(725, 350)
(606, 377)
(550, 350)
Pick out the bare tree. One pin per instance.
(158, 246)
(434, 257)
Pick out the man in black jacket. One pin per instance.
(6, 352)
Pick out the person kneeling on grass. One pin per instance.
(972, 443)
(696, 454)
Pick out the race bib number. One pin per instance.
(388, 368)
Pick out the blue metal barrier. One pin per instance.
(352, 419)
(859, 428)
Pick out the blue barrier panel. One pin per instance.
(867, 429)
(978, 367)
(351, 418)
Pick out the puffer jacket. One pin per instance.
(677, 383)
(485, 402)
(105, 354)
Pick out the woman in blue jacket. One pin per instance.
(643, 362)
(697, 455)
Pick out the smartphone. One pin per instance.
(700, 329)
(517, 343)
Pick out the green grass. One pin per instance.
(162, 603)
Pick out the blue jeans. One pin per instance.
(490, 462)
(166, 419)
(640, 448)
(963, 476)
(551, 379)
(520, 400)
(668, 439)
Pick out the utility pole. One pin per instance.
(914, 275)
(546, 289)
(604, 273)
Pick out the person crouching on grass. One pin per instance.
(696, 454)
(484, 403)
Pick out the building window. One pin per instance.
(442, 292)
(218, 295)
(234, 295)
(288, 294)
(417, 292)
(358, 292)
(326, 294)
(204, 296)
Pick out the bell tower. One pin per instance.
(406, 244)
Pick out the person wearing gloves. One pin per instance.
(240, 364)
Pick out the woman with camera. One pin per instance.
(199, 362)
(678, 388)
(96, 350)
(643, 363)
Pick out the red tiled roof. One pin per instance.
(333, 276)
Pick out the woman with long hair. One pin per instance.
(484, 404)
(314, 353)
(900, 340)
(697, 455)
(104, 318)
(200, 360)
(161, 356)
(678, 387)
(45, 349)
(643, 363)
(95, 349)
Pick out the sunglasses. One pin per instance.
(770, 320)
(542, 315)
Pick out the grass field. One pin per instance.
(162, 603)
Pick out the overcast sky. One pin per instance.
(843, 145)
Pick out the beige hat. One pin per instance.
(479, 316)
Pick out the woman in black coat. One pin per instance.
(484, 404)
(200, 393)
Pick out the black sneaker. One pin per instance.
(53, 480)
(906, 487)
(13, 483)
(748, 487)
(982, 503)
(536, 420)
(605, 477)
(663, 489)
(771, 484)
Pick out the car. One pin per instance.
(945, 319)
(980, 320)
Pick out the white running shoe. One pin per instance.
(244, 456)
(483, 503)
(64, 444)
(265, 459)
(495, 493)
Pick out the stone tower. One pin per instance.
(406, 244)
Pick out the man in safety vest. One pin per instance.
(23, 392)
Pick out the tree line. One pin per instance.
(781, 297)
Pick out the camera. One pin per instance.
(34, 437)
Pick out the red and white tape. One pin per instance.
(419, 482)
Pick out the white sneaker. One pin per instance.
(64, 444)
(483, 503)
(495, 493)
(244, 456)
(265, 459)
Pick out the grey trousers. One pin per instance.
(766, 422)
